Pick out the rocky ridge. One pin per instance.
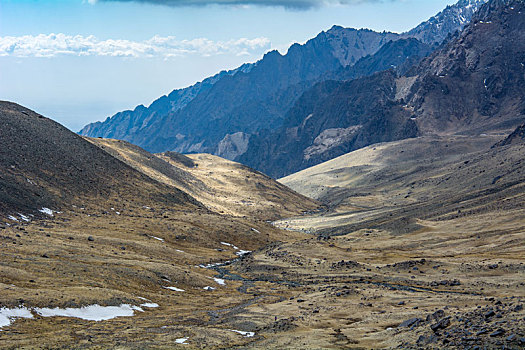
(264, 91)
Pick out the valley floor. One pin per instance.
(387, 271)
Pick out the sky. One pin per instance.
(79, 61)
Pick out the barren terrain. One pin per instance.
(419, 244)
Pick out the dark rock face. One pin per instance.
(475, 83)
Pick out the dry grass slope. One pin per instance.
(221, 185)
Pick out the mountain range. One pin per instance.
(220, 114)
(472, 84)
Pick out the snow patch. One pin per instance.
(150, 305)
(219, 281)
(11, 217)
(175, 289)
(46, 211)
(7, 315)
(208, 288)
(91, 312)
(23, 217)
(157, 238)
(255, 230)
(243, 333)
(230, 245)
(181, 340)
(243, 252)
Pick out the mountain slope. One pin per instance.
(124, 125)
(393, 185)
(473, 84)
(263, 92)
(222, 186)
(247, 102)
(332, 119)
(476, 83)
(42, 164)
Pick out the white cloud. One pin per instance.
(51, 45)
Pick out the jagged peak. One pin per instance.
(453, 17)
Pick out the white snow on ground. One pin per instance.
(181, 340)
(175, 289)
(240, 253)
(208, 288)
(11, 217)
(229, 245)
(209, 266)
(91, 312)
(219, 281)
(246, 334)
(46, 211)
(255, 230)
(23, 217)
(180, 251)
(157, 238)
(7, 315)
(150, 305)
(243, 252)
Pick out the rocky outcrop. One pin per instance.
(517, 137)
(233, 145)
